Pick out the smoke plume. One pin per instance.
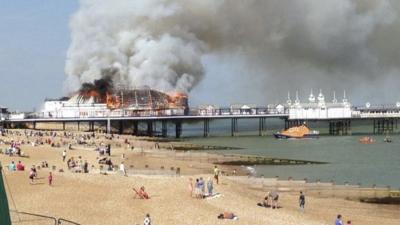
(263, 44)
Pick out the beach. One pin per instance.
(103, 197)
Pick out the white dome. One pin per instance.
(312, 97)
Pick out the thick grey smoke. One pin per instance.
(264, 44)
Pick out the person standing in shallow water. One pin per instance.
(302, 201)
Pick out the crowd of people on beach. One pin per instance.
(16, 167)
(199, 188)
(78, 166)
(33, 174)
(270, 200)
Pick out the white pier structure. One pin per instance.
(4, 114)
(339, 114)
(318, 109)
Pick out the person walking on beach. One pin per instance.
(12, 166)
(201, 186)
(122, 169)
(108, 150)
(86, 167)
(348, 222)
(50, 179)
(64, 155)
(190, 187)
(210, 186)
(302, 201)
(338, 220)
(31, 175)
(147, 220)
(216, 174)
(34, 171)
(274, 199)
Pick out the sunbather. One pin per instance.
(266, 201)
(142, 194)
(228, 216)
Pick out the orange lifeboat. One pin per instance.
(297, 133)
(366, 140)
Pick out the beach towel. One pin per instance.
(215, 195)
(263, 205)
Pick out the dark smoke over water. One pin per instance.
(248, 51)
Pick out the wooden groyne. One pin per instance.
(250, 160)
(374, 194)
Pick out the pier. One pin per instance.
(384, 122)
(339, 117)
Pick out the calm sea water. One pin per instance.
(349, 161)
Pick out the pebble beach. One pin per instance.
(103, 197)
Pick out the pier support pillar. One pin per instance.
(178, 129)
(340, 127)
(164, 128)
(348, 131)
(234, 127)
(262, 126)
(150, 128)
(108, 128)
(121, 127)
(135, 129)
(384, 126)
(379, 126)
(63, 125)
(293, 123)
(206, 129)
(34, 125)
(374, 127)
(79, 124)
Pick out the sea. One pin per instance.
(348, 161)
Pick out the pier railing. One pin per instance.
(193, 112)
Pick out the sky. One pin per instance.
(35, 36)
(34, 39)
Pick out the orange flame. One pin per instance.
(177, 99)
(112, 101)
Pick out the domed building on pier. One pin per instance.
(318, 108)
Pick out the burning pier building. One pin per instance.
(101, 99)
